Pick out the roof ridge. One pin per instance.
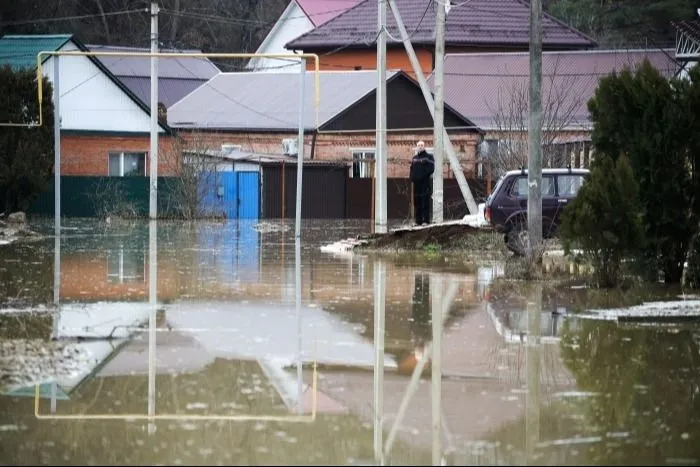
(560, 52)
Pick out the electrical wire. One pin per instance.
(71, 18)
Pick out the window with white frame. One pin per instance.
(123, 164)
(126, 265)
(362, 163)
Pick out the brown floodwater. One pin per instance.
(228, 343)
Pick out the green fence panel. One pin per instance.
(98, 196)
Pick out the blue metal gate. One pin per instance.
(248, 192)
(233, 195)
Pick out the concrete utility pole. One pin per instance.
(380, 206)
(300, 148)
(439, 114)
(56, 146)
(427, 95)
(534, 162)
(153, 160)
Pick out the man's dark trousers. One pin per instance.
(422, 200)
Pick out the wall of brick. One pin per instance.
(89, 154)
(351, 59)
(338, 147)
(396, 58)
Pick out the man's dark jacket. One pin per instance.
(422, 166)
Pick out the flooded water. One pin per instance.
(228, 343)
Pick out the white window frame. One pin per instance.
(121, 161)
(118, 275)
(365, 167)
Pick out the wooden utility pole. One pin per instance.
(439, 115)
(534, 165)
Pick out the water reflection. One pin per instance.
(413, 365)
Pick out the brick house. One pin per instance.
(105, 127)
(348, 41)
(492, 89)
(259, 112)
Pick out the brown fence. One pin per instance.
(323, 191)
(329, 193)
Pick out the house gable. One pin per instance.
(406, 110)
(291, 23)
(92, 99)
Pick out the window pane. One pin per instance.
(547, 186)
(569, 184)
(134, 163)
(520, 187)
(114, 164)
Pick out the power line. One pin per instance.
(71, 18)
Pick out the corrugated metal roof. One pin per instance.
(269, 101)
(482, 86)
(168, 67)
(170, 90)
(21, 51)
(473, 23)
(177, 76)
(256, 157)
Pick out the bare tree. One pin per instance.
(561, 99)
(194, 191)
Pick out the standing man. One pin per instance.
(422, 168)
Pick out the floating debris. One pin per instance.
(266, 227)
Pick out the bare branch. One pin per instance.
(560, 103)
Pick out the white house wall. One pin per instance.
(291, 24)
(90, 100)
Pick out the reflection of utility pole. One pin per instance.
(446, 299)
(533, 369)
(439, 115)
(379, 318)
(534, 165)
(436, 375)
(153, 303)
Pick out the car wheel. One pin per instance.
(518, 240)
